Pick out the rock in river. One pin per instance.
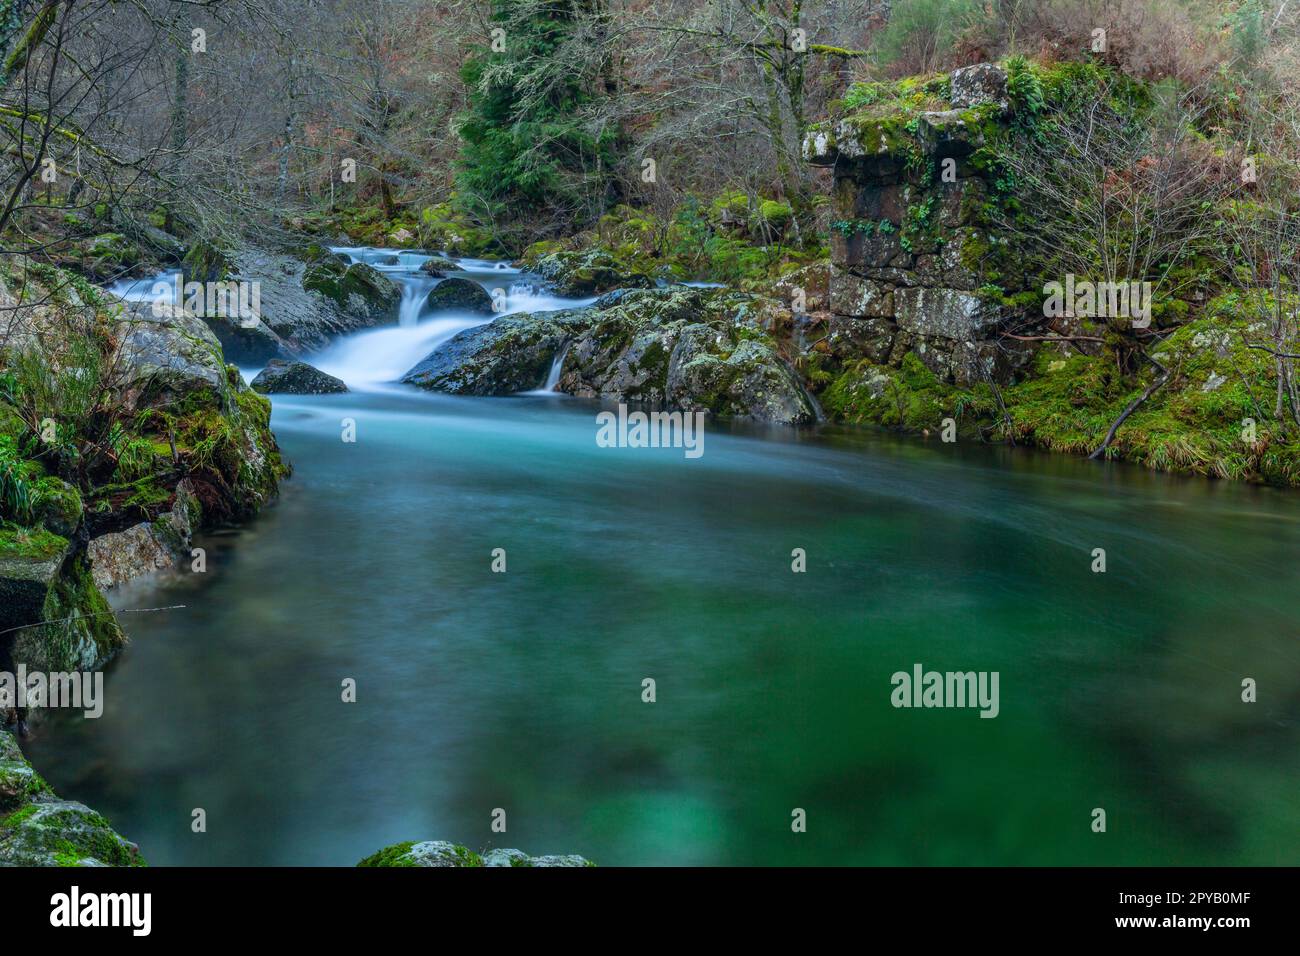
(464, 295)
(678, 348)
(295, 378)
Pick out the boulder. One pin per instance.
(303, 303)
(977, 85)
(295, 378)
(58, 506)
(461, 295)
(39, 829)
(438, 266)
(440, 853)
(165, 348)
(510, 355)
(589, 272)
(149, 547)
(30, 562)
(46, 589)
(682, 348)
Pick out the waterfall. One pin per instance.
(142, 290)
(553, 376)
(415, 289)
(376, 358)
(553, 379)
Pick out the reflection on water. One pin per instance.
(523, 690)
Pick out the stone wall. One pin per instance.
(907, 229)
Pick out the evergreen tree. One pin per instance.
(529, 146)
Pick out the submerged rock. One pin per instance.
(464, 295)
(295, 378)
(443, 854)
(39, 829)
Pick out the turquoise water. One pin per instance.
(522, 690)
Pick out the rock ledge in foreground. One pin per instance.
(39, 829)
(442, 853)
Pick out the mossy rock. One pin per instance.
(206, 262)
(590, 272)
(58, 506)
(439, 853)
(340, 282)
(462, 295)
(439, 266)
(39, 829)
(778, 215)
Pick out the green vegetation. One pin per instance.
(526, 151)
(731, 240)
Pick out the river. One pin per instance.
(523, 690)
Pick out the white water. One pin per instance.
(553, 376)
(375, 359)
(368, 361)
(142, 290)
(553, 379)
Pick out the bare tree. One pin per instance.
(1116, 193)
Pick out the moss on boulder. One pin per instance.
(39, 829)
(680, 348)
(439, 853)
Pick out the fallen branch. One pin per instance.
(1132, 407)
(1265, 348)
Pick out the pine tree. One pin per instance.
(528, 149)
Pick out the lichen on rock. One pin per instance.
(39, 829)
(440, 853)
(680, 348)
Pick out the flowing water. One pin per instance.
(523, 690)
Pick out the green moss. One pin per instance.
(76, 838)
(18, 816)
(339, 281)
(206, 262)
(58, 505)
(395, 855)
(81, 620)
(466, 856)
(113, 248)
(31, 544)
(909, 398)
